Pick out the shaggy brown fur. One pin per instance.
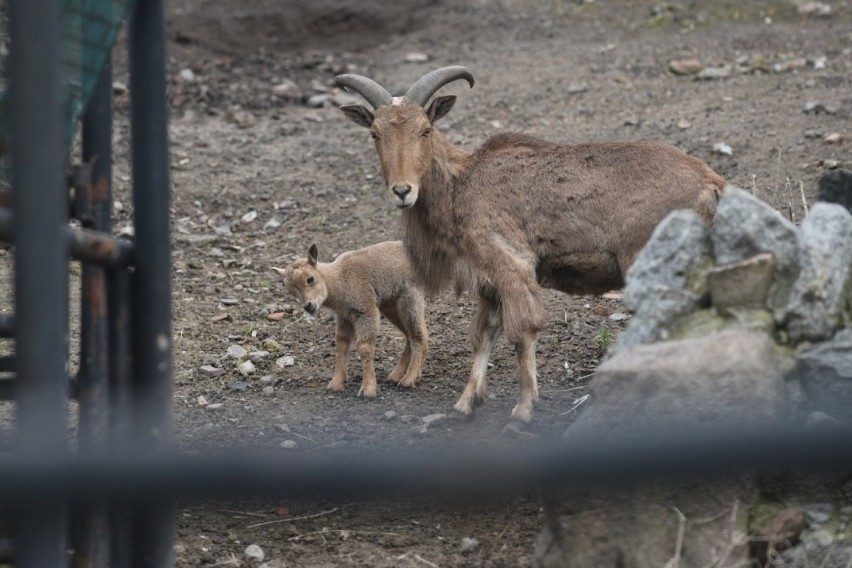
(522, 213)
(358, 286)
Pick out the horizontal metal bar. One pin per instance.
(419, 473)
(9, 386)
(83, 244)
(7, 325)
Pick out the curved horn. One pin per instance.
(428, 84)
(375, 94)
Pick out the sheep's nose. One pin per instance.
(401, 190)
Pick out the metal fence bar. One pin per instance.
(93, 208)
(41, 270)
(150, 287)
(415, 473)
(81, 244)
(7, 326)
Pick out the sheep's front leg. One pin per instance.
(413, 315)
(484, 332)
(366, 330)
(342, 342)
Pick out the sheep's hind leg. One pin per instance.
(485, 330)
(523, 412)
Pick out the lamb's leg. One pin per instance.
(484, 332)
(342, 342)
(413, 319)
(366, 330)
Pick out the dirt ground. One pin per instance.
(259, 175)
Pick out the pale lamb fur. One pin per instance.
(359, 286)
(519, 214)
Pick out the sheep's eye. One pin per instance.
(374, 136)
(310, 280)
(427, 132)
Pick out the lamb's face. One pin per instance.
(403, 138)
(303, 282)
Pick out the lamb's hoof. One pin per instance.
(519, 430)
(406, 383)
(459, 416)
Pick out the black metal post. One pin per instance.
(150, 286)
(93, 209)
(41, 267)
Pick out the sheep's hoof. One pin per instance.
(333, 386)
(364, 394)
(459, 416)
(406, 383)
(520, 430)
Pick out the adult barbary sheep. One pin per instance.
(358, 286)
(519, 213)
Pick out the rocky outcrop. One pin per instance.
(739, 326)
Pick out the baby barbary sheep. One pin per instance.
(359, 286)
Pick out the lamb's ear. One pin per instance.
(440, 107)
(362, 116)
(280, 271)
(313, 254)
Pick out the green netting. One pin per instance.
(88, 28)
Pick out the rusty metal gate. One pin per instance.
(119, 486)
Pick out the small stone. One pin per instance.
(818, 517)
(282, 427)
(415, 57)
(271, 345)
(210, 372)
(432, 418)
(236, 352)
(268, 390)
(316, 101)
(214, 406)
(619, 316)
(577, 88)
(287, 89)
(711, 73)
(268, 379)
(833, 138)
(289, 444)
(202, 400)
(389, 415)
(818, 539)
(420, 430)
(273, 223)
(723, 149)
(258, 356)
(276, 316)
(242, 119)
(119, 88)
(683, 124)
(685, 66)
(469, 545)
(815, 9)
(246, 368)
(830, 164)
(187, 75)
(249, 217)
(815, 107)
(285, 361)
(229, 301)
(220, 317)
(238, 386)
(254, 552)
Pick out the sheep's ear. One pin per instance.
(358, 114)
(313, 254)
(440, 107)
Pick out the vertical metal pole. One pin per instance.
(151, 305)
(93, 208)
(41, 266)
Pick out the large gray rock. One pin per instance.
(667, 280)
(821, 297)
(730, 379)
(746, 226)
(825, 374)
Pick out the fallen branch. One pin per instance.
(244, 513)
(424, 561)
(347, 531)
(681, 529)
